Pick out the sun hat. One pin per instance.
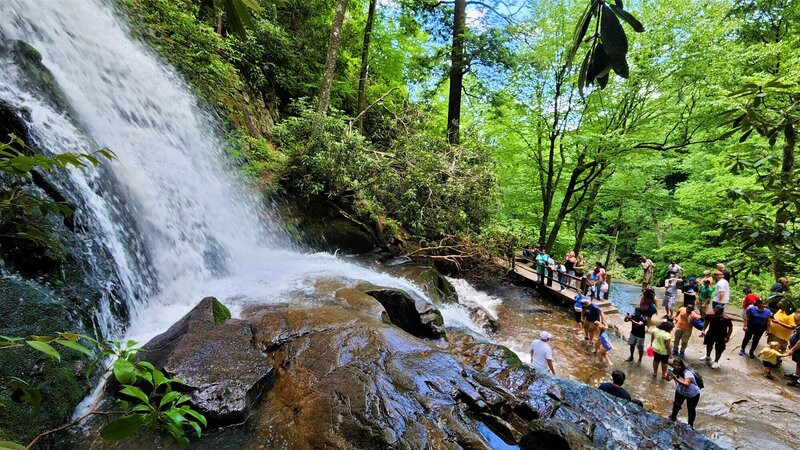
(544, 335)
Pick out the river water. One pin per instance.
(738, 408)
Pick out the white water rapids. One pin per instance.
(176, 226)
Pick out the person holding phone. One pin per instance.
(686, 389)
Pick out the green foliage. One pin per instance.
(23, 215)
(420, 183)
(147, 398)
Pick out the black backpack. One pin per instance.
(698, 379)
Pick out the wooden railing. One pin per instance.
(571, 281)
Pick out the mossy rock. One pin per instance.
(221, 312)
(28, 308)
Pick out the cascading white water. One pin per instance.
(200, 234)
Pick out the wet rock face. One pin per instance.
(431, 281)
(216, 358)
(349, 381)
(417, 316)
(339, 377)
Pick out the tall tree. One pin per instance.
(330, 60)
(364, 74)
(457, 64)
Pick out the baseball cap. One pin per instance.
(544, 335)
(706, 272)
(692, 279)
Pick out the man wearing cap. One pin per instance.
(542, 354)
(690, 292)
(717, 330)
(591, 314)
(706, 292)
(723, 289)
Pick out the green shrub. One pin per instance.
(420, 183)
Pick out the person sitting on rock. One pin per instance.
(615, 387)
(542, 354)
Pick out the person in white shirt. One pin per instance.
(542, 354)
(723, 290)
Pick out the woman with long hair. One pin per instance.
(686, 389)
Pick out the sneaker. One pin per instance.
(793, 383)
(791, 376)
(674, 353)
(752, 355)
(705, 359)
(682, 355)
(741, 352)
(715, 365)
(638, 363)
(629, 359)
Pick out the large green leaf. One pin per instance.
(122, 428)
(135, 392)
(75, 346)
(124, 371)
(45, 348)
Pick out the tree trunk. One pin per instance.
(330, 60)
(780, 267)
(659, 236)
(219, 24)
(587, 216)
(457, 64)
(362, 80)
(612, 245)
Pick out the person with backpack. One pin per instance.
(687, 388)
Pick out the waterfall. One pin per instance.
(166, 211)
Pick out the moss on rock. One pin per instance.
(220, 311)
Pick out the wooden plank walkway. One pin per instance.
(553, 292)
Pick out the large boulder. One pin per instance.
(215, 356)
(346, 380)
(414, 314)
(432, 282)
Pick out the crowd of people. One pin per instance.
(567, 271)
(703, 308)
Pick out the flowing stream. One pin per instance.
(166, 211)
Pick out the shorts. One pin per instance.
(796, 357)
(578, 315)
(669, 301)
(659, 358)
(637, 341)
(770, 365)
(719, 344)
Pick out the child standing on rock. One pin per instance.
(770, 356)
(603, 344)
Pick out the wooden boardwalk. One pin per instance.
(552, 292)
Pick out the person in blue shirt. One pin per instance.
(541, 262)
(756, 321)
(615, 388)
(603, 344)
(591, 314)
(578, 309)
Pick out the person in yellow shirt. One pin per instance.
(770, 356)
(781, 327)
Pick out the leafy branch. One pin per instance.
(146, 398)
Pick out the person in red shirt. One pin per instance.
(749, 299)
